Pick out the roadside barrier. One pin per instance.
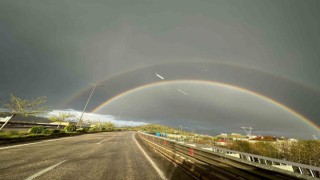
(232, 163)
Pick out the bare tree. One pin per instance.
(24, 107)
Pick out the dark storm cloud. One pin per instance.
(55, 48)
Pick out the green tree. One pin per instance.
(108, 126)
(61, 117)
(38, 129)
(70, 128)
(305, 151)
(242, 146)
(266, 148)
(24, 107)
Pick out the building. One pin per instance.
(221, 142)
(223, 135)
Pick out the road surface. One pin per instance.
(110, 155)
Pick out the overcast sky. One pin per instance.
(55, 48)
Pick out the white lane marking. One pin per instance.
(104, 140)
(150, 160)
(101, 141)
(45, 170)
(19, 145)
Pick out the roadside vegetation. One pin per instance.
(41, 132)
(60, 118)
(300, 151)
(23, 107)
(32, 107)
(153, 128)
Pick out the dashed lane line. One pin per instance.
(104, 140)
(45, 170)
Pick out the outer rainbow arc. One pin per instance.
(78, 94)
(270, 100)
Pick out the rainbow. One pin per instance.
(267, 99)
(81, 92)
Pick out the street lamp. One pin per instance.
(94, 87)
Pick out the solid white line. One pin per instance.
(150, 160)
(45, 170)
(101, 141)
(19, 145)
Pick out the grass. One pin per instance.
(7, 137)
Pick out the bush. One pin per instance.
(13, 132)
(70, 128)
(56, 131)
(82, 130)
(38, 130)
(93, 129)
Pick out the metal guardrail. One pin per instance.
(210, 154)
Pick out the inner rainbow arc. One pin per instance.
(267, 99)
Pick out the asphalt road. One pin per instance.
(111, 155)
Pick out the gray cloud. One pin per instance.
(55, 48)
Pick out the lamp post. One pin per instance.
(94, 87)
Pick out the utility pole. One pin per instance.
(7, 119)
(94, 87)
(247, 130)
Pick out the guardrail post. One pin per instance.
(191, 152)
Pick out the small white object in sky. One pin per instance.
(182, 92)
(159, 76)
